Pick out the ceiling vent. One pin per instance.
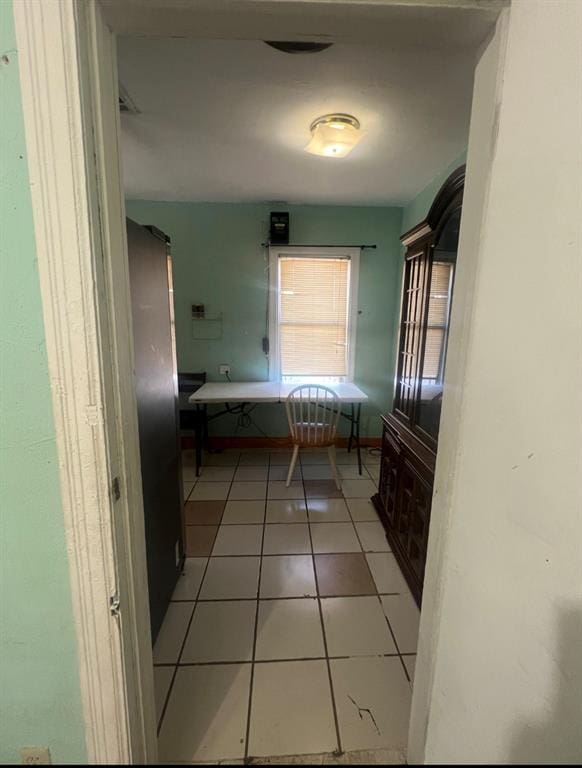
(291, 47)
(127, 105)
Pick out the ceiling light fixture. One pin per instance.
(296, 47)
(334, 135)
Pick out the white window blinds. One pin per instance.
(313, 316)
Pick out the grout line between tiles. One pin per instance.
(285, 659)
(171, 686)
(295, 554)
(176, 665)
(394, 639)
(252, 680)
(287, 597)
(324, 636)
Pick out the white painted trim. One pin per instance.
(67, 70)
(330, 252)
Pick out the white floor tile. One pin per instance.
(374, 473)
(410, 664)
(278, 473)
(373, 702)
(222, 459)
(251, 490)
(217, 474)
(334, 537)
(317, 472)
(319, 456)
(190, 579)
(172, 633)
(343, 457)
(404, 617)
(351, 472)
(287, 539)
(162, 679)
(242, 511)
(287, 576)
(230, 577)
(280, 458)
(386, 572)
(254, 459)
(189, 474)
(291, 710)
(289, 629)
(358, 489)
(187, 489)
(286, 511)
(278, 490)
(371, 458)
(209, 491)
(328, 511)
(221, 631)
(210, 726)
(356, 626)
(373, 537)
(362, 510)
(238, 540)
(247, 474)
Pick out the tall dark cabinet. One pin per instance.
(410, 431)
(156, 383)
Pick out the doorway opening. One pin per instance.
(288, 623)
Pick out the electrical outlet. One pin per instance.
(35, 756)
(224, 370)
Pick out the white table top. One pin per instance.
(265, 392)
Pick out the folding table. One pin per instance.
(242, 393)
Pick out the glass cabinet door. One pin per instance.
(410, 331)
(436, 326)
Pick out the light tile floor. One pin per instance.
(291, 631)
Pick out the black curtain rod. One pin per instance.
(301, 245)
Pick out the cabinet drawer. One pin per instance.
(389, 469)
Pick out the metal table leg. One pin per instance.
(198, 435)
(351, 430)
(357, 425)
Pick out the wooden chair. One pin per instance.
(313, 413)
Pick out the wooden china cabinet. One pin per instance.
(410, 431)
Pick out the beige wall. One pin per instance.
(499, 677)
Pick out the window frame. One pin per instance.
(331, 252)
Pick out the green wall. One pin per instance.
(39, 689)
(219, 262)
(417, 209)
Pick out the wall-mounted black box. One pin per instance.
(279, 232)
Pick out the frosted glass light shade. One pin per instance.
(334, 135)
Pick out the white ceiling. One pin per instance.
(227, 120)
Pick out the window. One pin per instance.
(312, 313)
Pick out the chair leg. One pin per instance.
(331, 454)
(292, 465)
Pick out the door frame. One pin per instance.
(68, 75)
(69, 89)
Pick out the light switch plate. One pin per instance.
(35, 756)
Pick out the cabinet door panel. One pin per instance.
(389, 468)
(409, 345)
(415, 495)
